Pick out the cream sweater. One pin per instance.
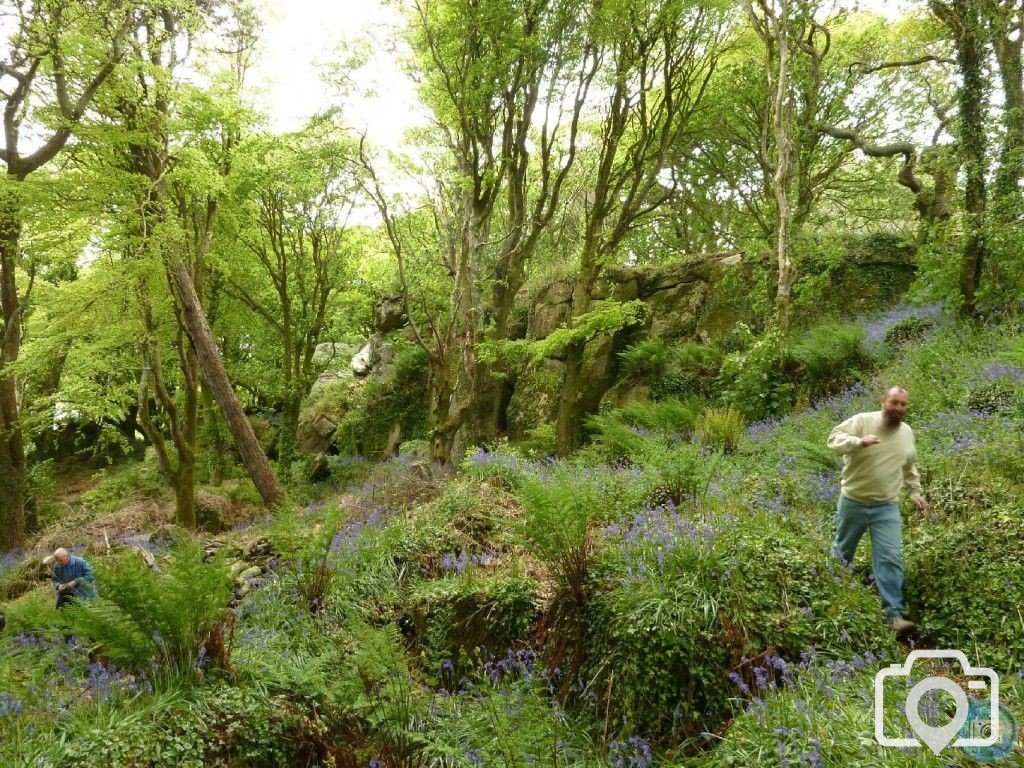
(877, 472)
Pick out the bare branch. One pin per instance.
(907, 149)
(865, 69)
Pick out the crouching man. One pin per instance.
(72, 578)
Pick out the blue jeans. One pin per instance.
(883, 520)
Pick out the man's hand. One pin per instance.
(869, 440)
(919, 503)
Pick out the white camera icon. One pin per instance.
(938, 738)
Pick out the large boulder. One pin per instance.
(389, 314)
(677, 294)
(551, 308)
(376, 357)
(674, 310)
(535, 399)
(334, 355)
(316, 433)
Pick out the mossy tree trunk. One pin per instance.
(48, 69)
(12, 449)
(964, 21)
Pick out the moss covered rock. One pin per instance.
(535, 399)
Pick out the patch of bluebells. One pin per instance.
(1003, 370)
(968, 429)
(842, 405)
(39, 642)
(481, 457)
(516, 663)
(966, 442)
(876, 327)
(804, 752)
(761, 429)
(539, 468)
(349, 537)
(459, 562)
(838, 407)
(775, 504)
(635, 752)
(658, 530)
(824, 487)
(10, 706)
(762, 674)
(102, 680)
(9, 560)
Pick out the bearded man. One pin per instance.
(879, 461)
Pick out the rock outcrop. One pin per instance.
(676, 294)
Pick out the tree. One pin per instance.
(963, 19)
(173, 220)
(773, 26)
(298, 190)
(1005, 28)
(657, 59)
(507, 82)
(58, 56)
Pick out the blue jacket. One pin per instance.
(79, 571)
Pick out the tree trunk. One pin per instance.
(12, 449)
(215, 445)
(216, 378)
(287, 437)
(1011, 154)
(568, 429)
(185, 493)
(970, 57)
(441, 393)
(185, 487)
(783, 128)
(442, 442)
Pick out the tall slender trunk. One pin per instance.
(441, 392)
(12, 449)
(569, 426)
(287, 436)
(783, 173)
(970, 57)
(493, 392)
(215, 376)
(185, 493)
(216, 446)
(1011, 154)
(963, 18)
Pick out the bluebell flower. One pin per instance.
(10, 705)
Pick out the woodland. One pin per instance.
(505, 446)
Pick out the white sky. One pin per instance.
(302, 35)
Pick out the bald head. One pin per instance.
(62, 556)
(894, 406)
